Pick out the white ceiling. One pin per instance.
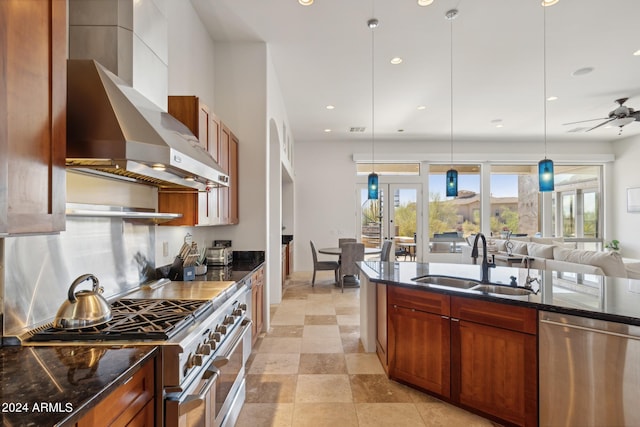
(322, 55)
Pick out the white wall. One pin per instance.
(625, 225)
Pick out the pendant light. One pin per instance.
(372, 181)
(545, 166)
(452, 174)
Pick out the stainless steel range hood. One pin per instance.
(113, 129)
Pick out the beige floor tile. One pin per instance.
(388, 415)
(265, 388)
(322, 363)
(265, 415)
(279, 345)
(287, 319)
(325, 415)
(350, 329)
(321, 331)
(286, 331)
(291, 307)
(348, 319)
(275, 363)
(348, 310)
(378, 389)
(322, 345)
(363, 363)
(351, 344)
(442, 414)
(323, 389)
(315, 319)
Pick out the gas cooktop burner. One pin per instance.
(134, 319)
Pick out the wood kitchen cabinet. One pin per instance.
(481, 355)
(131, 404)
(494, 358)
(219, 206)
(257, 302)
(33, 95)
(419, 339)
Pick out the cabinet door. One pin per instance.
(33, 95)
(495, 371)
(381, 325)
(419, 349)
(223, 161)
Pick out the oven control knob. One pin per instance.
(215, 336)
(243, 307)
(204, 349)
(221, 329)
(229, 320)
(238, 312)
(194, 360)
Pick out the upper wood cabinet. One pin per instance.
(33, 96)
(219, 206)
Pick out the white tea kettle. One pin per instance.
(84, 308)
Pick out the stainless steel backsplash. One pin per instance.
(38, 270)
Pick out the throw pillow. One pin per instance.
(540, 251)
(519, 248)
(610, 262)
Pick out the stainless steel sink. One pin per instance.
(450, 282)
(503, 290)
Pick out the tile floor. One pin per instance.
(311, 370)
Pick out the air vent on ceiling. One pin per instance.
(358, 129)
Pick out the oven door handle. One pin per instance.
(220, 361)
(192, 401)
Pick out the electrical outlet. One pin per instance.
(165, 248)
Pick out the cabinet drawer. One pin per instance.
(127, 403)
(505, 316)
(429, 302)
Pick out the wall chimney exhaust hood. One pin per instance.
(113, 130)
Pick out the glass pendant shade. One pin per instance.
(452, 183)
(545, 175)
(373, 185)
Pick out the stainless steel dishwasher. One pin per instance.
(589, 372)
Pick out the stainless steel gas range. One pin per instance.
(204, 333)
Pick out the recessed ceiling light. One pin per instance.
(189, 178)
(396, 61)
(546, 3)
(582, 71)
(424, 2)
(330, 107)
(500, 125)
(552, 98)
(636, 53)
(327, 130)
(158, 166)
(422, 107)
(305, 2)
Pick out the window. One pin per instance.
(459, 215)
(514, 200)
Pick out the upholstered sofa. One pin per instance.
(556, 254)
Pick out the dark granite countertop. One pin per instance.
(51, 386)
(607, 298)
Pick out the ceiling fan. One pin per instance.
(620, 117)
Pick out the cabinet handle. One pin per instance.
(454, 319)
(413, 309)
(445, 317)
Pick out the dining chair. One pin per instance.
(386, 250)
(351, 253)
(322, 265)
(343, 240)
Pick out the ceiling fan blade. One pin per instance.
(583, 121)
(602, 124)
(635, 115)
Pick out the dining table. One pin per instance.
(350, 281)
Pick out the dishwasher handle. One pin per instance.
(589, 329)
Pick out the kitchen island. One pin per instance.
(478, 345)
